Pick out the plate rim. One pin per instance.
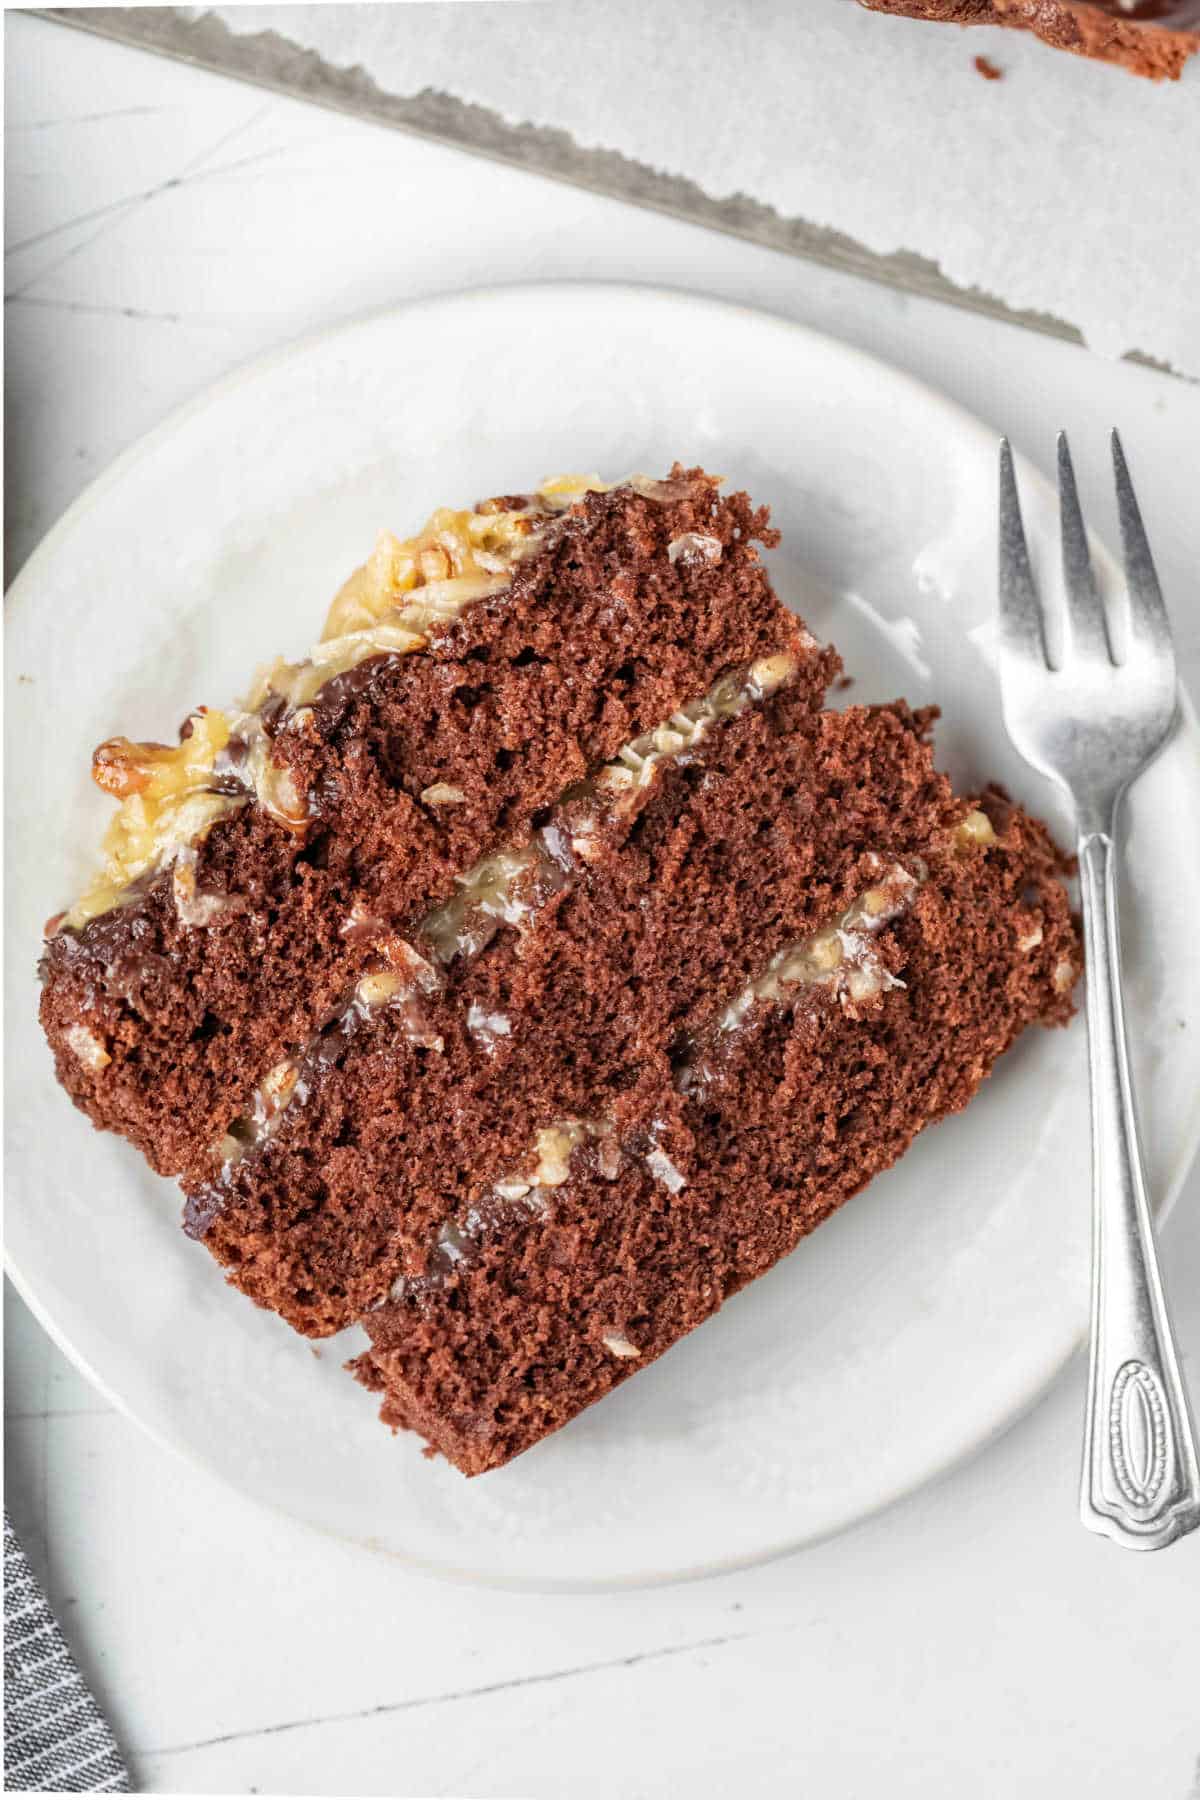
(568, 291)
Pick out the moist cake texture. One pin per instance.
(1154, 38)
(538, 961)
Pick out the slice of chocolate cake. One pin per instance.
(1149, 37)
(537, 962)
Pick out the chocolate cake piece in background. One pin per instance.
(466, 678)
(1149, 37)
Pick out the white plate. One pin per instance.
(910, 1328)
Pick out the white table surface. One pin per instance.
(163, 226)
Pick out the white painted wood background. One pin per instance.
(164, 226)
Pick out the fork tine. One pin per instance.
(1020, 613)
(1089, 636)
(1149, 627)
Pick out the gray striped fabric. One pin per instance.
(55, 1740)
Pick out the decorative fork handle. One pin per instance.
(1141, 1483)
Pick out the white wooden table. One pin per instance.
(164, 226)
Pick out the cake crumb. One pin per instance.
(988, 69)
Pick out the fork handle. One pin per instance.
(1141, 1483)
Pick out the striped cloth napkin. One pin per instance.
(55, 1740)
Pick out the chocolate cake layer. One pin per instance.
(582, 1266)
(1154, 38)
(363, 782)
(645, 907)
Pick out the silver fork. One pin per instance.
(1092, 722)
